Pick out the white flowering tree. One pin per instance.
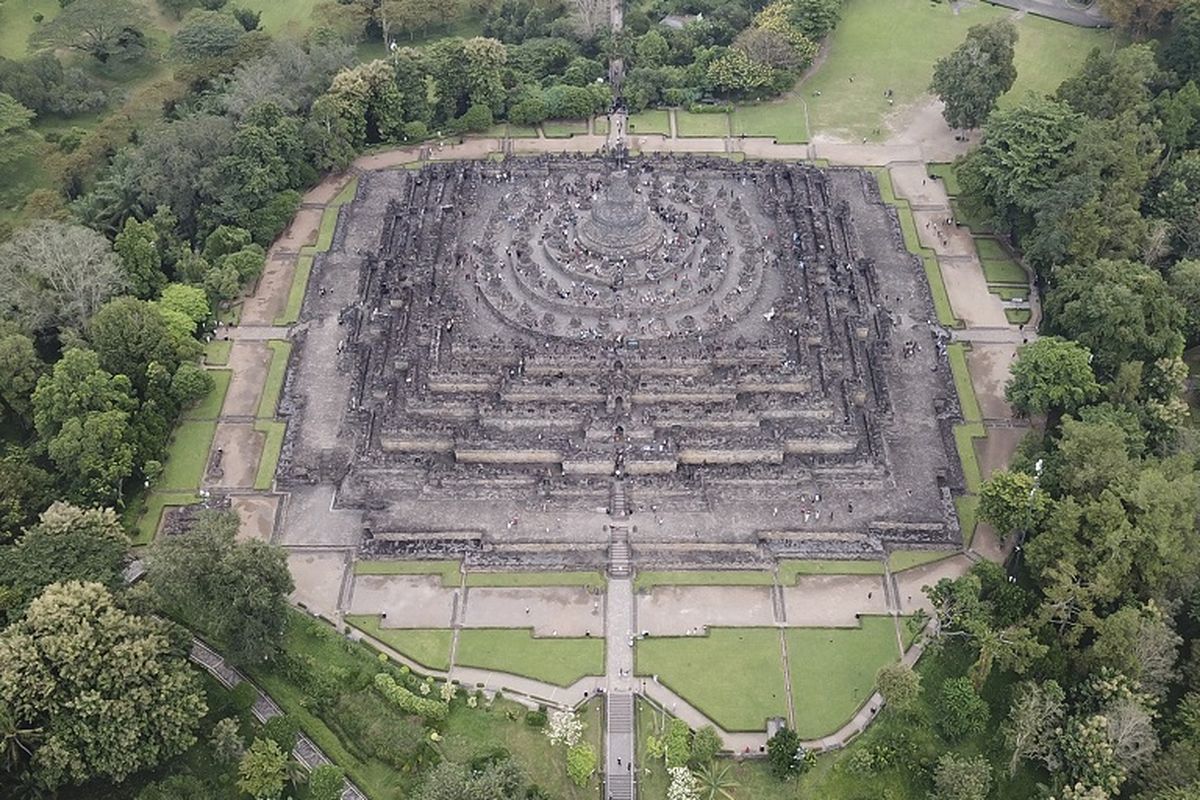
(684, 785)
(565, 728)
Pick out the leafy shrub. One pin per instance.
(381, 731)
(961, 712)
(434, 710)
(677, 744)
(536, 719)
(581, 763)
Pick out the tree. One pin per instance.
(1036, 713)
(1139, 643)
(1112, 83)
(581, 763)
(326, 782)
(25, 490)
(815, 18)
(706, 745)
(960, 711)
(141, 263)
(205, 34)
(786, 757)
(1011, 502)
(129, 335)
(56, 274)
(77, 385)
(961, 777)
(15, 122)
(1140, 17)
(715, 782)
(190, 301)
(108, 687)
(100, 28)
(590, 17)
(974, 75)
(227, 741)
(1119, 310)
(68, 543)
(1180, 51)
(1051, 375)
(492, 780)
(899, 685)
(234, 591)
(94, 454)
(20, 369)
(263, 770)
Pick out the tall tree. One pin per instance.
(15, 120)
(1141, 18)
(141, 262)
(56, 274)
(1034, 717)
(1051, 375)
(234, 591)
(976, 73)
(108, 687)
(100, 28)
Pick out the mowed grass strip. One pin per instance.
(560, 661)
(733, 675)
(563, 128)
(429, 647)
(187, 456)
(648, 579)
(653, 121)
(833, 671)
(501, 579)
(900, 560)
(957, 354)
(152, 512)
(782, 120)
(216, 353)
(689, 124)
(948, 176)
(300, 276)
(272, 447)
(273, 385)
(448, 569)
(791, 570)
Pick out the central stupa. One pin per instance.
(620, 225)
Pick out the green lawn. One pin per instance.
(833, 671)
(1010, 292)
(1018, 316)
(427, 646)
(592, 579)
(893, 44)
(449, 570)
(560, 661)
(747, 577)
(346, 195)
(187, 456)
(689, 124)
(216, 353)
(274, 429)
(210, 406)
(957, 353)
(273, 386)
(782, 120)
(790, 570)
(967, 506)
(283, 16)
(964, 441)
(291, 313)
(949, 177)
(653, 121)
(563, 128)
(16, 24)
(733, 675)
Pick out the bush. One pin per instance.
(677, 744)
(190, 384)
(380, 731)
(243, 697)
(536, 719)
(433, 710)
(282, 730)
(786, 757)
(706, 743)
(416, 131)
(477, 119)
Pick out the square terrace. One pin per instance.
(731, 362)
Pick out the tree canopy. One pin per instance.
(971, 78)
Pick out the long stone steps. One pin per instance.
(618, 765)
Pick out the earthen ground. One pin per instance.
(911, 582)
(405, 601)
(684, 610)
(233, 459)
(833, 600)
(318, 579)
(250, 362)
(302, 231)
(989, 366)
(270, 298)
(550, 611)
(257, 515)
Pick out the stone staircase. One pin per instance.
(619, 767)
(616, 505)
(618, 554)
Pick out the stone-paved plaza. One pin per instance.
(729, 363)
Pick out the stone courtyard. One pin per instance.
(519, 363)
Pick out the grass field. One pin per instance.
(957, 353)
(656, 121)
(272, 446)
(273, 386)
(645, 580)
(16, 24)
(560, 661)
(893, 44)
(427, 646)
(901, 560)
(216, 353)
(291, 312)
(783, 120)
(292, 17)
(563, 128)
(1018, 316)
(733, 675)
(949, 177)
(833, 671)
(688, 124)
(448, 570)
(187, 456)
(789, 571)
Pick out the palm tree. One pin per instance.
(715, 782)
(15, 739)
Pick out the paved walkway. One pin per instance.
(1061, 10)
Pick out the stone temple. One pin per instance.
(703, 363)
